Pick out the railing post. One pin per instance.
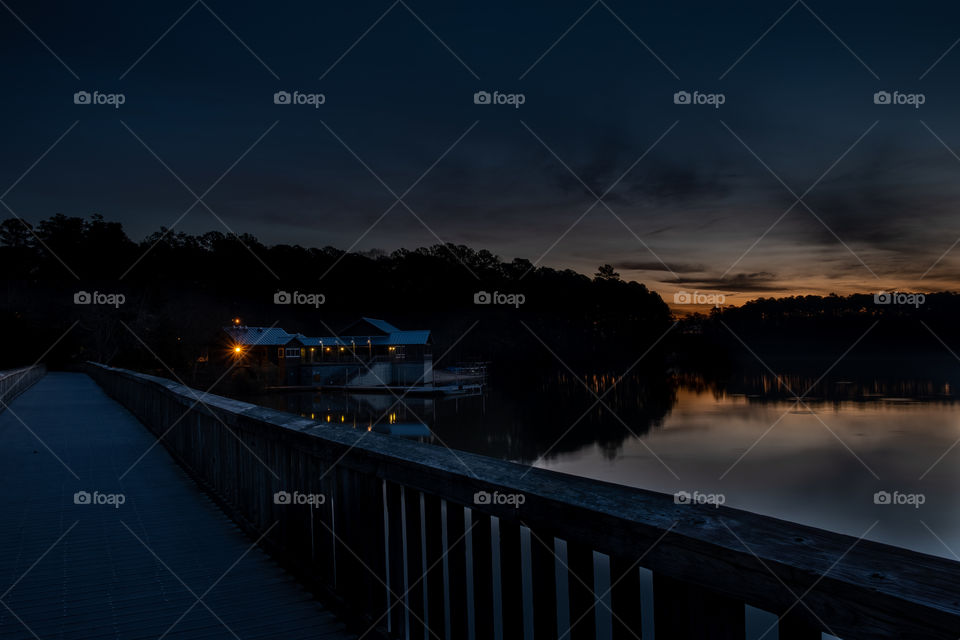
(324, 523)
(482, 575)
(414, 567)
(395, 582)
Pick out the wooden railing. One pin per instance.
(407, 541)
(13, 382)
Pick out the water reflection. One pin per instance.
(819, 462)
(557, 414)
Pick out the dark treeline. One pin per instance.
(889, 331)
(180, 289)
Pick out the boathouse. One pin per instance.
(368, 353)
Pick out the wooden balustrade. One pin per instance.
(409, 544)
(13, 382)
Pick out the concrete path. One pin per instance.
(140, 551)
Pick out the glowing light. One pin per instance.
(237, 349)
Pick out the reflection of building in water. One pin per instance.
(370, 411)
(368, 353)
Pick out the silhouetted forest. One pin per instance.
(792, 329)
(179, 289)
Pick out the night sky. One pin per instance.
(694, 187)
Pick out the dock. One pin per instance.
(105, 536)
(419, 390)
(405, 539)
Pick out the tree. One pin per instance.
(15, 232)
(606, 272)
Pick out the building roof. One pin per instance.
(369, 327)
(397, 337)
(259, 336)
(407, 337)
(378, 332)
(385, 334)
(383, 325)
(307, 341)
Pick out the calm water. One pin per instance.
(819, 464)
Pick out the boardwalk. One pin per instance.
(164, 564)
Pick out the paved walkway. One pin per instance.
(134, 570)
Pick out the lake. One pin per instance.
(863, 454)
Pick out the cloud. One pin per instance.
(884, 202)
(672, 183)
(653, 265)
(760, 281)
(656, 180)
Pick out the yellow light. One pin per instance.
(237, 349)
(236, 321)
(341, 348)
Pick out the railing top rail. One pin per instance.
(855, 587)
(13, 372)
